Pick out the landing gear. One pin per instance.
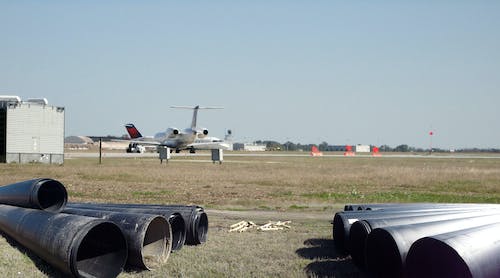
(192, 150)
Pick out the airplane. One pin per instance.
(191, 138)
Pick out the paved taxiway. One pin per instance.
(70, 155)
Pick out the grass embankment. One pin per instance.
(275, 183)
(298, 187)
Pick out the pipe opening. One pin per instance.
(156, 246)
(338, 232)
(201, 227)
(51, 195)
(429, 257)
(102, 252)
(382, 254)
(178, 227)
(357, 238)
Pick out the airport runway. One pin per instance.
(70, 155)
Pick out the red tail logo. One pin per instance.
(132, 131)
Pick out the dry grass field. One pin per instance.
(305, 190)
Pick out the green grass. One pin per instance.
(404, 197)
(152, 193)
(298, 207)
(285, 194)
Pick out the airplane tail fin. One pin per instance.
(195, 116)
(195, 112)
(133, 131)
(315, 151)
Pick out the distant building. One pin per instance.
(81, 140)
(78, 143)
(362, 148)
(251, 147)
(31, 131)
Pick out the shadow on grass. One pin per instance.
(44, 267)
(327, 260)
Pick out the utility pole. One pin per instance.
(431, 133)
(100, 150)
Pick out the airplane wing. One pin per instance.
(146, 143)
(140, 142)
(195, 107)
(209, 146)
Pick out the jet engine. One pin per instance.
(202, 133)
(173, 130)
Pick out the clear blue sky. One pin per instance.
(344, 72)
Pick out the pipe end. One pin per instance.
(101, 251)
(357, 238)
(157, 243)
(51, 195)
(339, 234)
(201, 228)
(178, 226)
(429, 257)
(382, 254)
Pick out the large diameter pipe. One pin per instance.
(418, 206)
(148, 236)
(343, 220)
(198, 229)
(77, 245)
(361, 229)
(195, 218)
(177, 223)
(383, 206)
(44, 194)
(386, 248)
(471, 252)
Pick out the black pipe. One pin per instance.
(343, 220)
(196, 221)
(386, 248)
(378, 206)
(471, 252)
(195, 218)
(77, 245)
(418, 206)
(45, 194)
(148, 236)
(361, 229)
(177, 223)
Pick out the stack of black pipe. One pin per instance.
(421, 240)
(189, 223)
(95, 240)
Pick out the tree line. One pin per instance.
(325, 147)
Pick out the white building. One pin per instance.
(251, 147)
(362, 148)
(31, 131)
